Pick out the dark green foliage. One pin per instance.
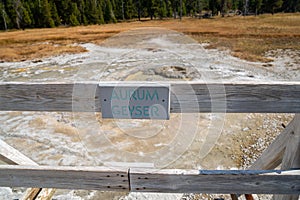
(75, 15)
(214, 6)
(27, 16)
(4, 19)
(255, 6)
(46, 20)
(162, 10)
(94, 12)
(22, 14)
(109, 16)
(54, 14)
(274, 5)
(291, 6)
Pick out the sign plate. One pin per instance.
(135, 101)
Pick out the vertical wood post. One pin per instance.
(291, 158)
(273, 155)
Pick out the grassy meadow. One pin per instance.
(247, 37)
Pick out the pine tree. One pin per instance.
(47, 20)
(50, 13)
(14, 12)
(65, 10)
(191, 7)
(81, 7)
(162, 10)
(129, 9)
(138, 7)
(152, 8)
(75, 15)
(291, 5)
(26, 18)
(224, 8)
(183, 8)
(169, 8)
(54, 14)
(255, 6)
(4, 16)
(73, 20)
(118, 9)
(213, 6)
(19, 12)
(273, 5)
(94, 12)
(175, 5)
(37, 13)
(109, 15)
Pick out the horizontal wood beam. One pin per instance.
(225, 182)
(153, 180)
(86, 178)
(12, 156)
(283, 97)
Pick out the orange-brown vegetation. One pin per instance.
(247, 37)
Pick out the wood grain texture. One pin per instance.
(225, 182)
(32, 193)
(12, 156)
(87, 178)
(45, 194)
(153, 180)
(47, 97)
(185, 97)
(236, 98)
(273, 155)
(291, 158)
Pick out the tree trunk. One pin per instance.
(123, 12)
(180, 9)
(18, 13)
(139, 9)
(4, 20)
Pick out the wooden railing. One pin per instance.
(185, 98)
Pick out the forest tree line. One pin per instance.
(22, 14)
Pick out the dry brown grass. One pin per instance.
(248, 37)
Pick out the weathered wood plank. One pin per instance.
(87, 178)
(185, 97)
(151, 180)
(237, 98)
(47, 97)
(45, 194)
(12, 156)
(273, 155)
(225, 182)
(291, 158)
(31, 193)
(234, 196)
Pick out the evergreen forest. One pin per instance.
(21, 14)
